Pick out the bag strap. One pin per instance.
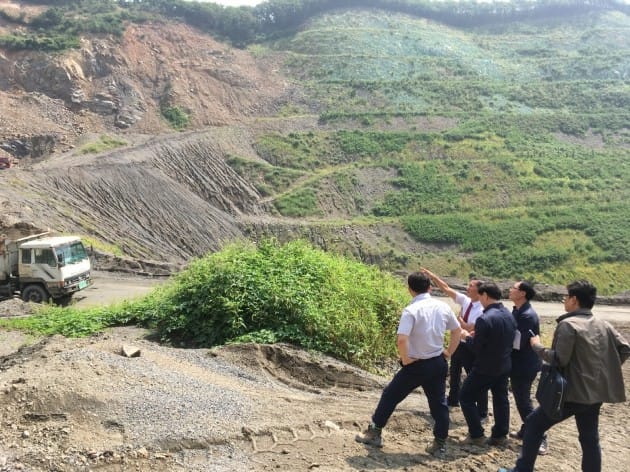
(555, 362)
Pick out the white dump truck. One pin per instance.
(42, 267)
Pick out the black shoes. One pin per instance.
(501, 441)
(437, 447)
(516, 435)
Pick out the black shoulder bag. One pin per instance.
(552, 389)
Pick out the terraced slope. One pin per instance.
(501, 151)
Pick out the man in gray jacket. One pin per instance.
(590, 352)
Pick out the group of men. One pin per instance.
(497, 349)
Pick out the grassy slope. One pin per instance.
(530, 152)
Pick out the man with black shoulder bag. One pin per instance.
(590, 353)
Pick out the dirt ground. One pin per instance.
(66, 406)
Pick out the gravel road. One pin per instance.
(110, 288)
(612, 313)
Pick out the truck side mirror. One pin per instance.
(60, 260)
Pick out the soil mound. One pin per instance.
(80, 404)
(14, 307)
(297, 368)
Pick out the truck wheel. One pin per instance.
(35, 294)
(64, 300)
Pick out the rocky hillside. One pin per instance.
(162, 196)
(111, 85)
(340, 132)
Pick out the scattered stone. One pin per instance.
(130, 351)
(142, 453)
(329, 424)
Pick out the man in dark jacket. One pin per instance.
(492, 343)
(590, 352)
(525, 362)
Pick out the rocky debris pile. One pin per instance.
(15, 307)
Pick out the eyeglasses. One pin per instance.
(566, 297)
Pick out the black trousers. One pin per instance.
(463, 358)
(430, 374)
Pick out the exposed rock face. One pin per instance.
(113, 84)
(31, 146)
(83, 80)
(36, 72)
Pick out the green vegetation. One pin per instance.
(525, 174)
(92, 243)
(499, 141)
(275, 18)
(176, 116)
(268, 179)
(269, 293)
(299, 203)
(492, 196)
(531, 140)
(48, 42)
(104, 143)
(58, 28)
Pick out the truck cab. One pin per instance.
(44, 268)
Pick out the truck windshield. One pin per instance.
(72, 253)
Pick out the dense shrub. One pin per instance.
(473, 233)
(518, 262)
(291, 293)
(421, 189)
(176, 116)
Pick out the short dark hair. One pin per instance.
(584, 291)
(528, 288)
(419, 282)
(477, 283)
(491, 289)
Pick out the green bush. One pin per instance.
(268, 179)
(292, 293)
(52, 42)
(518, 262)
(423, 188)
(176, 116)
(75, 322)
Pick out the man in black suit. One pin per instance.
(492, 343)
